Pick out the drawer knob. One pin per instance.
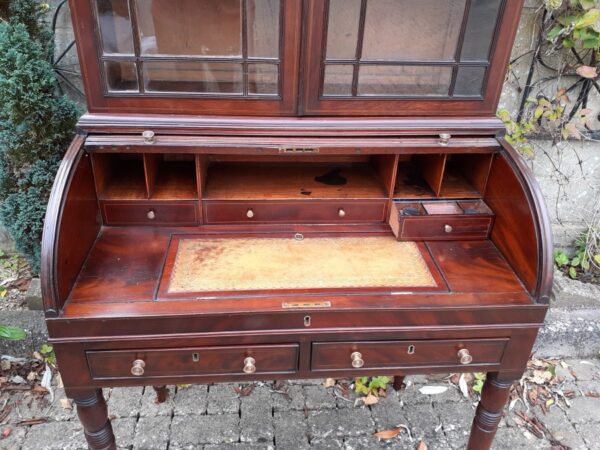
(464, 356)
(249, 365)
(151, 215)
(341, 213)
(357, 360)
(448, 228)
(445, 139)
(249, 214)
(137, 369)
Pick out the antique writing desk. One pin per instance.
(268, 189)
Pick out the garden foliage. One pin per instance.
(36, 124)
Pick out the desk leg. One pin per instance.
(398, 382)
(93, 414)
(489, 411)
(162, 392)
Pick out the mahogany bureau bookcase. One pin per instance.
(277, 189)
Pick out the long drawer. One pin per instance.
(233, 360)
(403, 354)
(294, 211)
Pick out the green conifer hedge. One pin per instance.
(36, 124)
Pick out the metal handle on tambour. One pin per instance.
(151, 215)
(341, 213)
(250, 214)
(249, 365)
(137, 369)
(357, 360)
(465, 356)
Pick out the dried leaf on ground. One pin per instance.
(6, 432)
(329, 382)
(244, 391)
(370, 400)
(462, 384)
(422, 446)
(433, 390)
(66, 403)
(34, 421)
(587, 72)
(388, 434)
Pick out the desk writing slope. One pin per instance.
(278, 189)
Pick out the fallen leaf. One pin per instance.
(47, 382)
(462, 384)
(66, 403)
(32, 376)
(244, 391)
(587, 72)
(6, 432)
(370, 400)
(433, 390)
(38, 356)
(329, 382)
(388, 434)
(422, 446)
(5, 364)
(593, 394)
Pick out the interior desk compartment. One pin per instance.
(403, 354)
(441, 220)
(231, 360)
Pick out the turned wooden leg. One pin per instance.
(489, 411)
(162, 392)
(398, 382)
(93, 414)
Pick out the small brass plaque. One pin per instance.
(296, 150)
(305, 305)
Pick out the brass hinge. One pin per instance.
(296, 150)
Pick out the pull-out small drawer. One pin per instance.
(235, 360)
(441, 220)
(447, 228)
(150, 213)
(405, 354)
(294, 211)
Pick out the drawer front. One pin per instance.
(405, 354)
(150, 213)
(294, 212)
(446, 228)
(193, 361)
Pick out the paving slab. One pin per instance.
(222, 399)
(55, 436)
(191, 432)
(152, 433)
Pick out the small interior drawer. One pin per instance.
(294, 211)
(150, 213)
(404, 354)
(441, 220)
(236, 360)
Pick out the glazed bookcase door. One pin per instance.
(407, 57)
(189, 56)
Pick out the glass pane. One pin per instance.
(115, 26)
(342, 29)
(483, 15)
(190, 27)
(469, 81)
(412, 30)
(404, 80)
(263, 79)
(200, 77)
(338, 80)
(121, 76)
(263, 28)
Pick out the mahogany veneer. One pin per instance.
(295, 122)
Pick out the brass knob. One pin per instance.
(445, 139)
(151, 215)
(357, 360)
(448, 228)
(148, 136)
(137, 369)
(464, 356)
(341, 213)
(249, 214)
(249, 365)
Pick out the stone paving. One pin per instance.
(303, 415)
